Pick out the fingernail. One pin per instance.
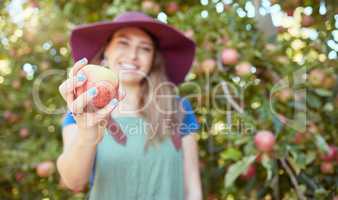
(83, 61)
(113, 102)
(81, 77)
(92, 91)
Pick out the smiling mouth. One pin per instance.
(128, 67)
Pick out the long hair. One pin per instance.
(163, 115)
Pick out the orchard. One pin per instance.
(263, 86)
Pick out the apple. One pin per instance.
(45, 169)
(24, 133)
(7, 115)
(103, 79)
(11, 117)
(19, 176)
(300, 138)
(329, 82)
(249, 173)
(150, 6)
(230, 56)
(284, 95)
(265, 140)
(208, 66)
(331, 155)
(307, 21)
(172, 8)
(316, 77)
(189, 33)
(16, 84)
(290, 12)
(327, 168)
(243, 69)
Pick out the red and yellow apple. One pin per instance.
(104, 80)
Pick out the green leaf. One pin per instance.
(231, 154)
(310, 157)
(323, 92)
(313, 101)
(238, 168)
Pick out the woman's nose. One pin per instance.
(132, 53)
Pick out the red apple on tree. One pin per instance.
(19, 176)
(172, 8)
(230, 56)
(243, 69)
(249, 173)
(331, 155)
(300, 138)
(316, 77)
(45, 169)
(208, 66)
(327, 168)
(104, 80)
(24, 133)
(189, 33)
(284, 95)
(307, 20)
(265, 141)
(150, 6)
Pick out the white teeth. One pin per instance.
(127, 66)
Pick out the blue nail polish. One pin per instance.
(81, 77)
(113, 102)
(83, 61)
(92, 91)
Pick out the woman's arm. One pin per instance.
(76, 161)
(192, 179)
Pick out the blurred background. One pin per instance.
(263, 85)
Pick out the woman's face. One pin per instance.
(130, 54)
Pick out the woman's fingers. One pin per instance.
(68, 86)
(78, 105)
(77, 66)
(105, 111)
(121, 92)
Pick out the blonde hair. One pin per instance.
(164, 123)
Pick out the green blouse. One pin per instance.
(128, 172)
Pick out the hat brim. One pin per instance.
(177, 50)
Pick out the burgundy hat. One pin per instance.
(177, 50)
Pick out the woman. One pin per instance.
(156, 155)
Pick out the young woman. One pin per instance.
(152, 154)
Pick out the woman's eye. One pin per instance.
(123, 42)
(146, 49)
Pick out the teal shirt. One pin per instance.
(128, 172)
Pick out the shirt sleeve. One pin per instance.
(189, 123)
(68, 119)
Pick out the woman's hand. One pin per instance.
(85, 120)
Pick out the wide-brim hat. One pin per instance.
(177, 50)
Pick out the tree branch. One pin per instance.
(293, 179)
